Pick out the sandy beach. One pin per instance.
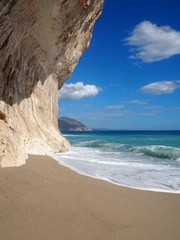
(43, 200)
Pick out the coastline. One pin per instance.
(139, 160)
(45, 200)
(108, 180)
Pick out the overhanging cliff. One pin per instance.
(41, 42)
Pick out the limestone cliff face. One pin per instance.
(41, 42)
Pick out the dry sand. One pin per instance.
(43, 200)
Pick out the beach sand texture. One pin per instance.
(43, 200)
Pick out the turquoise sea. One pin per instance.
(147, 160)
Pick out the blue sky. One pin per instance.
(129, 78)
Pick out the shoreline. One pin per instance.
(110, 181)
(45, 200)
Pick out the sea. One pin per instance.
(146, 160)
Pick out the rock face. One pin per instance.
(41, 42)
(69, 124)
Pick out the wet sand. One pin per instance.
(43, 200)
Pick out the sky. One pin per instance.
(129, 78)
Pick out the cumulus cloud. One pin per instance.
(153, 43)
(158, 88)
(77, 91)
(114, 107)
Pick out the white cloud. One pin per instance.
(158, 88)
(114, 107)
(118, 113)
(153, 43)
(77, 91)
(154, 107)
(148, 114)
(176, 108)
(140, 102)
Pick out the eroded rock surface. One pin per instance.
(41, 42)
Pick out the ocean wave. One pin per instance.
(156, 151)
(126, 172)
(100, 144)
(73, 135)
(90, 144)
(138, 160)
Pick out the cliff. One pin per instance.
(69, 124)
(41, 42)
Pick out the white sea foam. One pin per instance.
(122, 168)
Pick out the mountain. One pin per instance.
(69, 124)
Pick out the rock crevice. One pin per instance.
(41, 42)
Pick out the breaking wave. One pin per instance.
(156, 151)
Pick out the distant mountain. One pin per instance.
(69, 124)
